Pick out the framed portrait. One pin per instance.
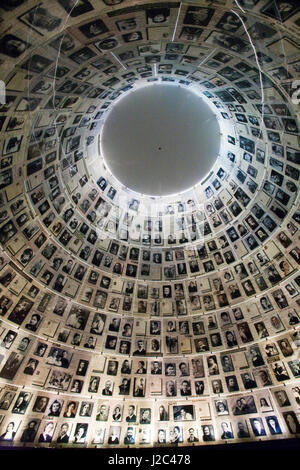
(281, 10)
(6, 398)
(183, 413)
(221, 407)
(79, 8)
(243, 405)
(22, 402)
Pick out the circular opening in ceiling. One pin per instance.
(160, 139)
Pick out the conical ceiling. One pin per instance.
(144, 318)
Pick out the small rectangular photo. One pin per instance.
(59, 380)
(80, 433)
(22, 403)
(281, 10)
(9, 430)
(114, 435)
(243, 405)
(30, 429)
(98, 435)
(47, 430)
(183, 413)
(6, 398)
(221, 407)
(40, 19)
(59, 357)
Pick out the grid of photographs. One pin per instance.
(134, 320)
